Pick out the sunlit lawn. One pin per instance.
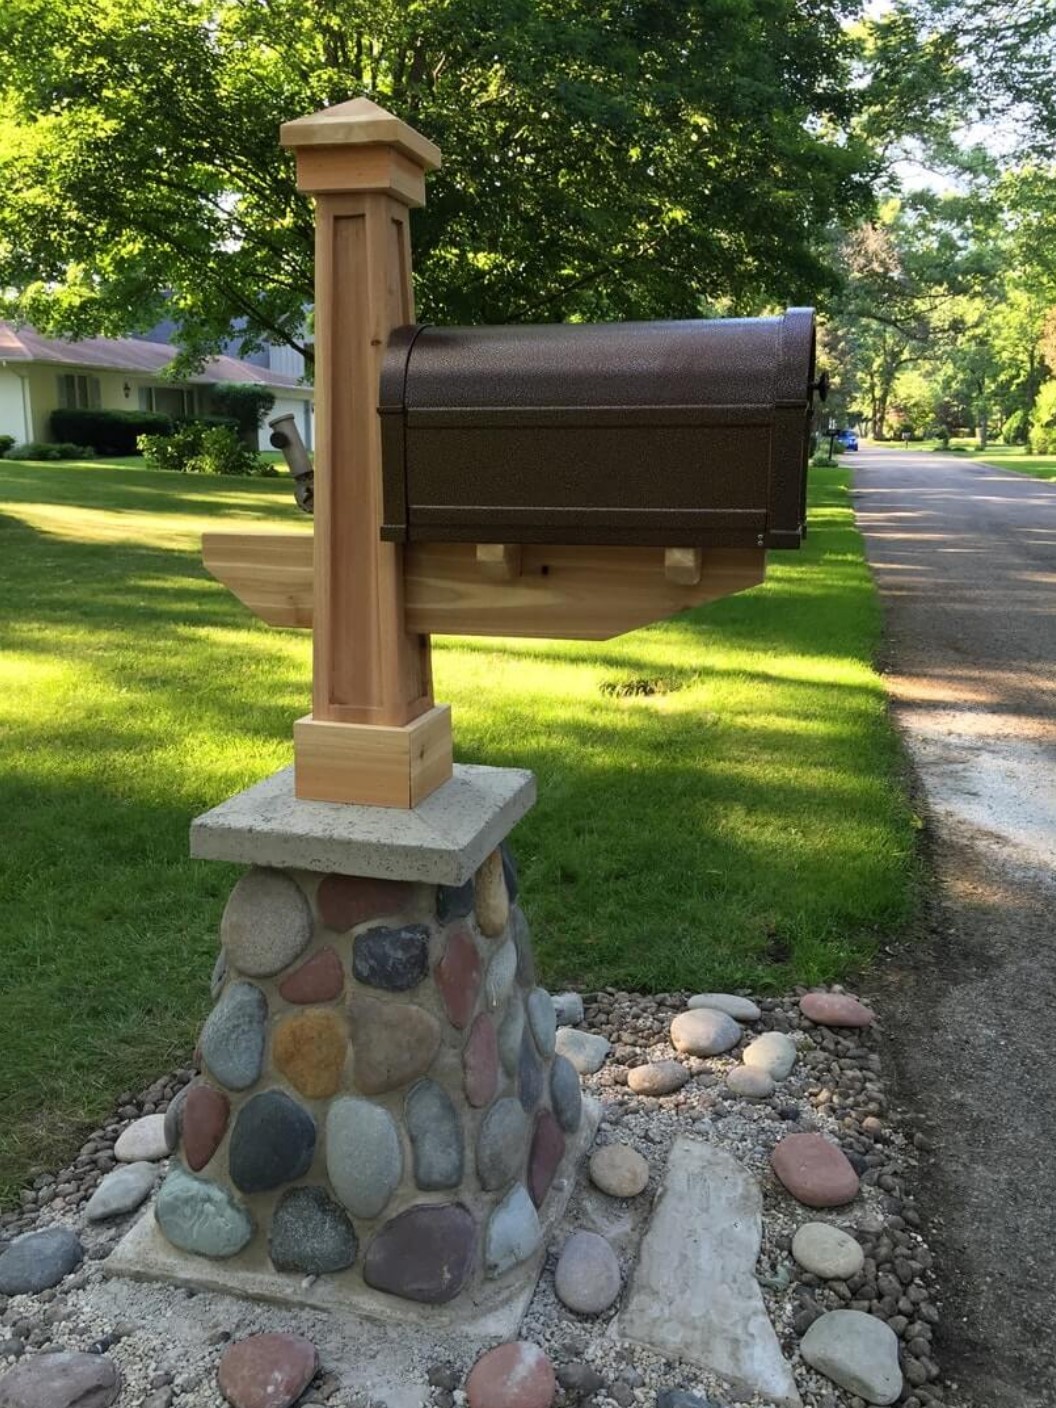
(1012, 457)
(744, 824)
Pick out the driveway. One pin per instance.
(965, 558)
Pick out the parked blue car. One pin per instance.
(848, 439)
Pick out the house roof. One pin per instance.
(127, 354)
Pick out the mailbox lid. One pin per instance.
(651, 433)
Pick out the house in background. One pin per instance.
(39, 375)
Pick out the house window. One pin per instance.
(79, 393)
(169, 400)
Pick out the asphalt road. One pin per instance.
(965, 558)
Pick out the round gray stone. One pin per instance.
(566, 1097)
(704, 1032)
(267, 923)
(773, 1052)
(38, 1261)
(501, 975)
(827, 1252)
(587, 1278)
(435, 1135)
(272, 1143)
(394, 960)
(233, 1036)
(857, 1351)
(174, 1117)
(522, 938)
(501, 1143)
(201, 1217)
(513, 1233)
(657, 1078)
(742, 1009)
(364, 1158)
(145, 1139)
(679, 1398)
(568, 1009)
(529, 1075)
(511, 1030)
(121, 1191)
(67, 1379)
(310, 1234)
(586, 1051)
(750, 1082)
(542, 1020)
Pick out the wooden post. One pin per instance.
(374, 734)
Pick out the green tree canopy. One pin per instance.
(601, 160)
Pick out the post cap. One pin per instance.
(360, 123)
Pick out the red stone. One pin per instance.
(480, 1061)
(516, 1375)
(267, 1371)
(321, 979)
(548, 1149)
(203, 1120)
(814, 1171)
(344, 901)
(458, 977)
(835, 1009)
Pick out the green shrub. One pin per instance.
(201, 449)
(224, 422)
(38, 450)
(938, 431)
(1015, 429)
(6, 441)
(109, 432)
(246, 403)
(1043, 421)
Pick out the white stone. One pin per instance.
(857, 1351)
(693, 1294)
(442, 841)
(584, 1050)
(121, 1191)
(587, 1278)
(144, 1139)
(743, 1009)
(704, 1032)
(750, 1082)
(568, 1009)
(827, 1252)
(773, 1052)
(619, 1170)
(267, 923)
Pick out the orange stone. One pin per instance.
(267, 1371)
(309, 1049)
(835, 1009)
(344, 901)
(321, 979)
(458, 976)
(814, 1171)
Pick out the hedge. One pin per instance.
(109, 432)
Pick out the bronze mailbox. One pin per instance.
(680, 434)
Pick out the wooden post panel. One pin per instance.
(374, 734)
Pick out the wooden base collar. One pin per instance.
(373, 764)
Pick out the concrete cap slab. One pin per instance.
(442, 841)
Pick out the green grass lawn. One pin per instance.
(1012, 457)
(743, 824)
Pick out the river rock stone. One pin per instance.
(491, 898)
(310, 1234)
(435, 1135)
(513, 1233)
(835, 1009)
(542, 1021)
(309, 1049)
(587, 1278)
(203, 1123)
(39, 1260)
(267, 1371)
(857, 1351)
(619, 1170)
(657, 1078)
(750, 1082)
(454, 902)
(773, 1052)
(364, 1158)
(501, 1143)
(522, 939)
(529, 1074)
(704, 1032)
(320, 978)
(121, 1191)
(219, 975)
(480, 1062)
(827, 1252)
(143, 1140)
(232, 1042)
(67, 1379)
(392, 959)
(509, 871)
(586, 1051)
(458, 976)
(516, 1375)
(511, 1033)
(501, 975)
(548, 1149)
(814, 1171)
(741, 1009)
(273, 1142)
(174, 1116)
(343, 901)
(566, 1097)
(267, 923)
(391, 1046)
(424, 1254)
(201, 1217)
(568, 1009)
